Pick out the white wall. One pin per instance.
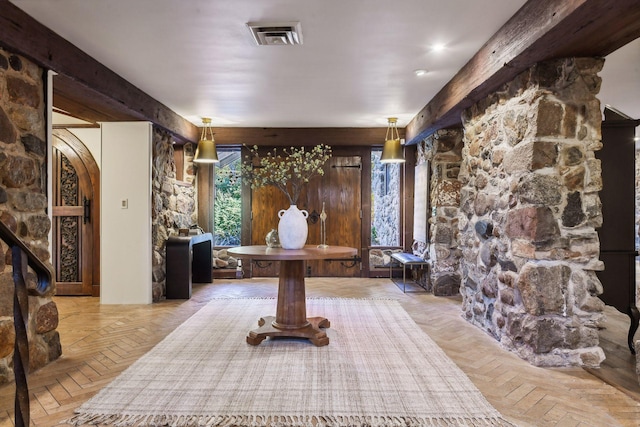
(126, 232)
(92, 139)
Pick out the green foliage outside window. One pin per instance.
(227, 209)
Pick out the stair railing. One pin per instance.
(22, 256)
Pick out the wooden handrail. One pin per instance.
(22, 256)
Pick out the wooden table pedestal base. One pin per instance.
(291, 311)
(311, 331)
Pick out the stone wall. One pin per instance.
(385, 189)
(23, 203)
(189, 172)
(529, 213)
(174, 205)
(443, 150)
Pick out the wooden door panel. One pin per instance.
(340, 190)
(73, 222)
(265, 205)
(68, 210)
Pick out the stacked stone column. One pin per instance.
(174, 206)
(23, 204)
(443, 150)
(529, 212)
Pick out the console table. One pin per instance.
(291, 311)
(189, 259)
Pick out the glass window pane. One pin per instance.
(227, 208)
(385, 201)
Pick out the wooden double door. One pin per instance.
(340, 190)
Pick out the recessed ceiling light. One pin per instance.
(438, 47)
(420, 72)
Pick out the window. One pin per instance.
(385, 201)
(227, 208)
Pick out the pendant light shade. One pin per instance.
(206, 151)
(392, 150)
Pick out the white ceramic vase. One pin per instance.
(293, 228)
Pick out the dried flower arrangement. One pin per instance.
(288, 171)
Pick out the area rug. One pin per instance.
(379, 369)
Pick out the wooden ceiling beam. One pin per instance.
(300, 136)
(85, 80)
(539, 31)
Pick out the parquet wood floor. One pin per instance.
(100, 341)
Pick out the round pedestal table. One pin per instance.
(291, 311)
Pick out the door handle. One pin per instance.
(86, 203)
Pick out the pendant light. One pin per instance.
(392, 150)
(206, 151)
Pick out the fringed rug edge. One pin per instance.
(279, 421)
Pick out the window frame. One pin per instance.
(214, 169)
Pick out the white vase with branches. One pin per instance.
(288, 170)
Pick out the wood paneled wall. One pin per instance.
(288, 137)
(347, 195)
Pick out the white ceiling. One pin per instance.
(621, 80)
(354, 69)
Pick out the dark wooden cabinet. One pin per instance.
(189, 259)
(617, 234)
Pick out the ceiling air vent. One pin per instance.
(276, 34)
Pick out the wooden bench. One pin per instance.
(405, 260)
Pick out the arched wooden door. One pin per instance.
(76, 216)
